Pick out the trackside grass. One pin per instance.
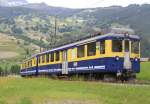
(145, 71)
(47, 91)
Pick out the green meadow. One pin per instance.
(19, 90)
(145, 71)
(47, 91)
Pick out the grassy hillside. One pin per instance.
(9, 47)
(12, 47)
(46, 91)
(13, 50)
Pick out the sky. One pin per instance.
(89, 3)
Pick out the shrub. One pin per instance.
(15, 69)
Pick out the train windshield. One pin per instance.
(126, 46)
(116, 45)
(135, 46)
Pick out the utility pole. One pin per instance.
(40, 46)
(55, 33)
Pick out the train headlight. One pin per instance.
(136, 59)
(126, 34)
(117, 58)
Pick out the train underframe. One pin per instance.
(124, 76)
(111, 71)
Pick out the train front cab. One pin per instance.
(123, 56)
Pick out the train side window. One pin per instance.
(57, 56)
(47, 57)
(73, 54)
(116, 45)
(43, 58)
(39, 59)
(135, 47)
(28, 64)
(80, 51)
(102, 47)
(34, 61)
(31, 63)
(91, 49)
(52, 57)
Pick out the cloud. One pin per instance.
(89, 3)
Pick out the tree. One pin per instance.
(15, 69)
(1, 70)
(16, 30)
(27, 51)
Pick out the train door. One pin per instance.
(64, 62)
(127, 62)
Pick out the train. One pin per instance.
(107, 56)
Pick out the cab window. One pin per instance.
(116, 45)
(135, 47)
(91, 49)
(80, 51)
(102, 47)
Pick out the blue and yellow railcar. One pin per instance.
(109, 54)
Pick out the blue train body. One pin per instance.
(102, 65)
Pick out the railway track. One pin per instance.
(135, 84)
(131, 82)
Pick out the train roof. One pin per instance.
(92, 39)
(87, 40)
